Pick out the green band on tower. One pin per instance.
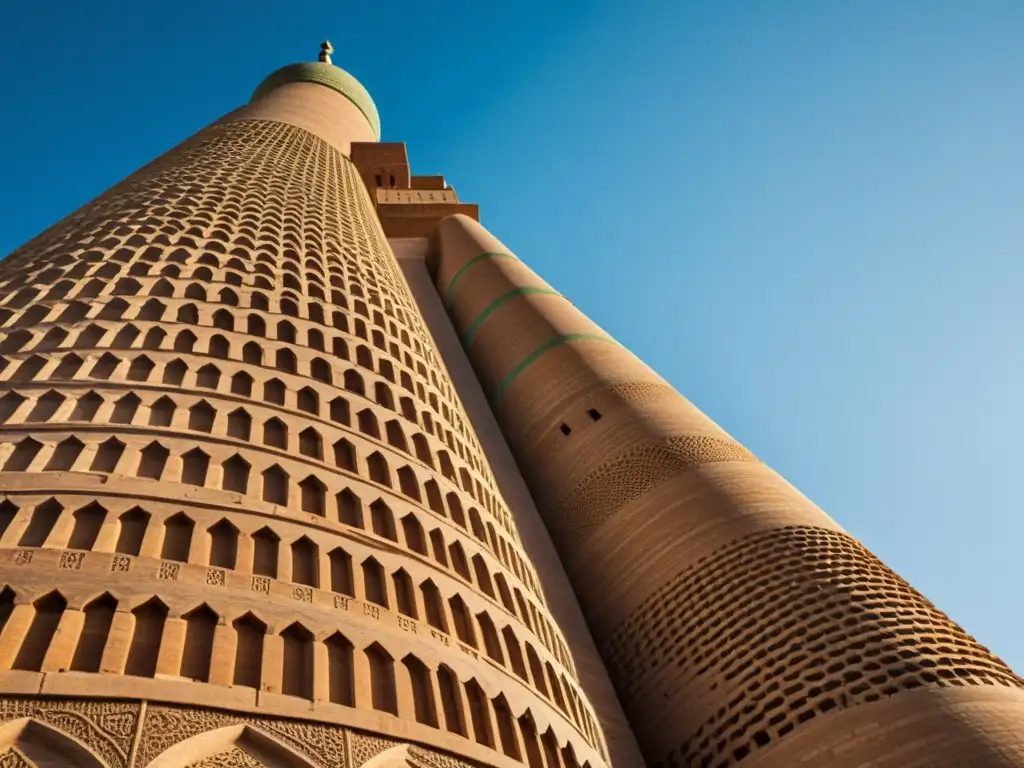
(475, 326)
(458, 274)
(329, 76)
(531, 358)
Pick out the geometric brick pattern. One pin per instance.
(640, 391)
(792, 623)
(215, 373)
(736, 620)
(89, 733)
(639, 470)
(13, 758)
(234, 758)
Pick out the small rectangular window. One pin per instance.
(594, 414)
(379, 179)
(565, 429)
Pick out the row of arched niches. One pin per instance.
(228, 440)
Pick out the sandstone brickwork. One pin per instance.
(302, 467)
(245, 518)
(44, 732)
(740, 625)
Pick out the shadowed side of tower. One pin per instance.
(245, 519)
(739, 623)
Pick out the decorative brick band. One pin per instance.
(641, 391)
(531, 358)
(462, 270)
(329, 76)
(135, 353)
(783, 626)
(629, 476)
(503, 299)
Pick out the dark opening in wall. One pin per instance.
(594, 414)
(566, 429)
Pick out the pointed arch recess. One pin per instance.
(243, 737)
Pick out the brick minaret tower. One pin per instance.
(302, 467)
(740, 624)
(246, 519)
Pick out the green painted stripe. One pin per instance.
(498, 302)
(467, 265)
(531, 358)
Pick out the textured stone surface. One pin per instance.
(80, 733)
(106, 727)
(167, 725)
(13, 758)
(627, 477)
(733, 615)
(235, 469)
(233, 758)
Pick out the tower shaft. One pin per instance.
(244, 511)
(301, 466)
(739, 623)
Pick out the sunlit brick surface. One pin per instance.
(236, 474)
(739, 623)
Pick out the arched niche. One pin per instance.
(45, 746)
(396, 757)
(243, 744)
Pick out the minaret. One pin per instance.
(740, 624)
(246, 518)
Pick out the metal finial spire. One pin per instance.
(326, 49)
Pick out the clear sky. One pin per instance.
(806, 215)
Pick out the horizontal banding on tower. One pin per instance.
(707, 580)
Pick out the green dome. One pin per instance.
(329, 75)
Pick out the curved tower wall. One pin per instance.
(561, 599)
(324, 112)
(739, 623)
(244, 513)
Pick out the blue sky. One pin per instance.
(805, 215)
